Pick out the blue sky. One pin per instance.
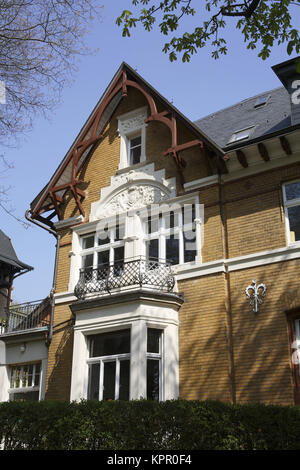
(197, 89)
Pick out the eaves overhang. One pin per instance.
(265, 152)
(261, 138)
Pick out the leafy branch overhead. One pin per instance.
(263, 23)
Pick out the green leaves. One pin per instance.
(263, 23)
(145, 424)
(290, 47)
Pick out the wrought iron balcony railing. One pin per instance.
(26, 316)
(124, 275)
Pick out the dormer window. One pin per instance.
(132, 131)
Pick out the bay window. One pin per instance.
(109, 365)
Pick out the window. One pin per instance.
(172, 236)
(242, 134)
(102, 252)
(135, 150)
(154, 372)
(25, 382)
(109, 366)
(291, 198)
(132, 131)
(136, 357)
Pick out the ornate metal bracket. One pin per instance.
(255, 292)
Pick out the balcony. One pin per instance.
(26, 317)
(121, 276)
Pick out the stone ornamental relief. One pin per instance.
(132, 191)
(134, 197)
(132, 123)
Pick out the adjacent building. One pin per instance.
(178, 254)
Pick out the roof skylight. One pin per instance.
(261, 101)
(242, 134)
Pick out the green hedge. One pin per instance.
(139, 425)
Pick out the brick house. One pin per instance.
(178, 256)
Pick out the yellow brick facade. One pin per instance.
(259, 367)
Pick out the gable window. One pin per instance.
(25, 382)
(291, 198)
(132, 131)
(135, 149)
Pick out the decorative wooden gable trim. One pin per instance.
(66, 177)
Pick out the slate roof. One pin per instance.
(272, 117)
(8, 254)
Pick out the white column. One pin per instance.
(4, 383)
(138, 361)
(43, 379)
(79, 369)
(75, 262)
(133, 236)
(123, 152)
(170, 363)
(199, 222)
(143, 142)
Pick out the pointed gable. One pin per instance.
(50, 200)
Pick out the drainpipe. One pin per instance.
(228, 310)
(52, 301)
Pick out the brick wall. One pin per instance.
(255, 222)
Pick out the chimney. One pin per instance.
(290, 78)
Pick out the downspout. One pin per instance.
(52, 300)
(228, 309)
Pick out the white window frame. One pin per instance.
(287, 204)
(26, 389)
(117, 358)
(100, 248)
(131, 125)
(163, 232)
(127, 356)
(130, 138)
